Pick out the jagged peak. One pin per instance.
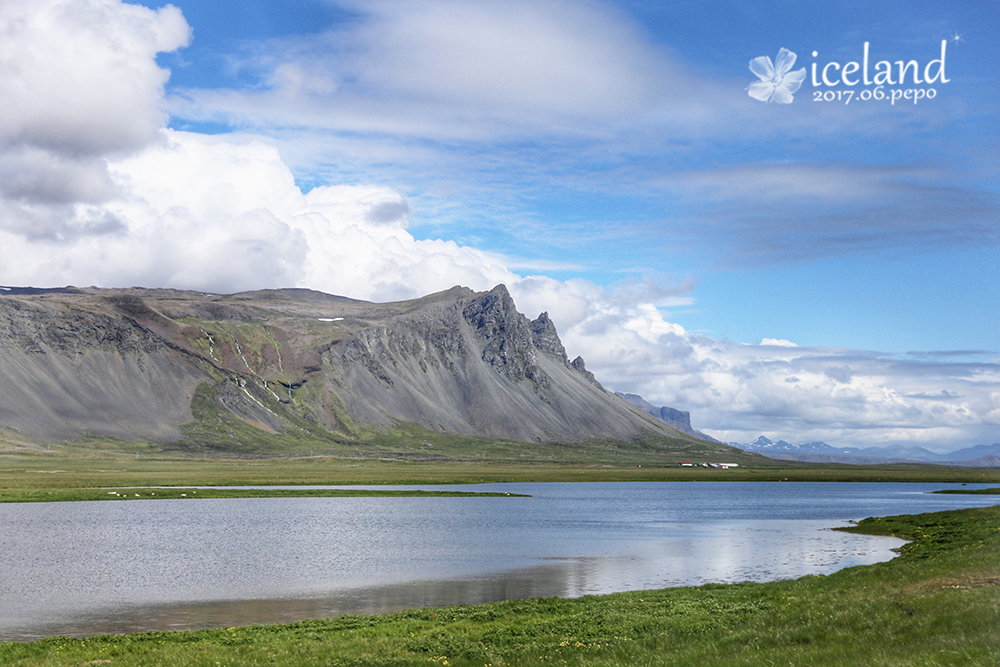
(506, 335)
(501, 290)
(545, 337)
(494, 308)
(581, 367)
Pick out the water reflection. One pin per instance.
(86, 568)
(759, 551)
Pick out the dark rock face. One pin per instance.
(38, 330)
(545, 338)
(578, 365)
(681, 418)
(144, 363)
(506, 334)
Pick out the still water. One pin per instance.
(90, 567)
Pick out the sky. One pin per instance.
(731, 208)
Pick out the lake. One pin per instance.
(84, 568)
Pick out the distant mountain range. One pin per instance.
(679, 419)
(986, 456)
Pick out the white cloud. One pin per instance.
(735, 391)
(224, 214)
(781, 342)
(552, 57)
(79, 84)
(79, 76)
(451, 69)
(93, 190)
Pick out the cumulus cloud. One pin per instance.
(94, 190)
(736, 391)
(216, 213)
(79, 83)
(80, 77)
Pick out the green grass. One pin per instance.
(72, 472)
(988, 492)
(938, 603)
(176, 493)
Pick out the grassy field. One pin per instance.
(178, 492)
(938, 603)
(24, 479)
(92, 471)
(404, 454)
(987, 492)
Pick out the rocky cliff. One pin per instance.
(679, 419)
(169, 366)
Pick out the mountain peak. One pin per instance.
(200, 369)
(507, 336)
(545, 338)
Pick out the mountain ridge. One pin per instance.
(820, 452)
(197, 369)
(679, 419)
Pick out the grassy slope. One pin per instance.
(937, 604)
(215, 431)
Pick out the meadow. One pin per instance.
(90, 473)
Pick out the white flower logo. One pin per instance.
(776, 83)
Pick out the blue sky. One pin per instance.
(608, 203)
(605, 159)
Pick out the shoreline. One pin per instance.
(944, 584)
(540, 579)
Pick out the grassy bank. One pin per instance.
(177, 493)
(76, 476)
(937, 604)
(981, 492)
(408, 455)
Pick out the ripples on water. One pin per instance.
(90, 567)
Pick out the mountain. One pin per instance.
(820, 452)
(229, 372)
(977, 452)
(679, 419)
(764, 445)
(897, 451)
